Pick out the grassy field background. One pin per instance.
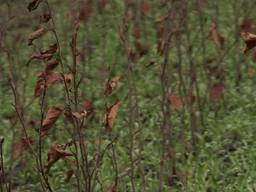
(187, 118)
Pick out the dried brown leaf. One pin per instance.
(145, 8)
(112, 188)
(111, 85)
(36, 34)
(45, 80)
(56, 152)
(87, 107)
(216, 92)
(110, 115)
(250, 41)
(215, 35)
(33, 5)
(50, 119)
(51, 65)
(86, 11)
(24, 144)
(246, 25)
(52, 48)
(176, 102)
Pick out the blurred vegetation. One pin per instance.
(204, 145)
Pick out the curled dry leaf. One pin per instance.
(85, 110)
(24, 144)
(110, 115)
(36, 34)
(52, 48)
(78, 115)
(215, 35)
(112, 188)
(51, 65)
(176, 102)
(39, 56)
(51, 117)
(33, 5)
(45, 80)
(216, 92)
(44, 55)
(111, 85)
(56, 152)
(250, 41)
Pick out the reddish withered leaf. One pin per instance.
(141, 50)
(39, 88)
(56, 152)
(85, 11)
(112, 188)
(137, 32)
(216, 92)
(145, 8)
(87, 107)
(110, 115)
(51, 65)
(250, 41)
(44, 55)
(33, 5)
(51, 117)
(191, 97)
(45, 80)
(69, 116)
(39, 56)
(36, 34)
(49, 78)
(85, 110)
(246, 25)
(111, 85)
(102, 4)
(24, 144)
(52, 48)
(216, 37)
(176, 102)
